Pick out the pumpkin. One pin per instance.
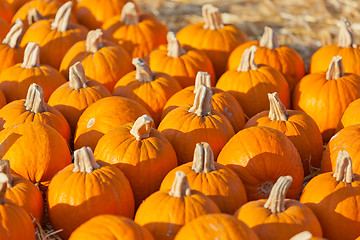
(325, 96)
(269, 52)
(216, 226)
(85, 189)
(346, 47)
(15, 81)
(4, 28)
(216, 181)
(224, 37)
(34, 109)
(259, 156)
(222, 101)
(6, 12)
(15, 222)
(93, 13)
(277, 217)
(187, 125)
(305, 235)
(350, 116)
(23, 193)
(180, 62)
(46, 152)
(138, 33)
(111, 227)
(251, 83)
(150, 89)
(143, 154)
(10, 52)
(55, 37)
(104, 115)
(74, 96)
(299, 127)
(16, 4)
(99, 58)
(334, 198)
(164, 212)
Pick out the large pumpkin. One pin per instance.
(351, 115)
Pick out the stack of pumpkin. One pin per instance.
(186, 136)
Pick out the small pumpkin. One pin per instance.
(85, 189)
(164, 212)
(150, 89)
(277, 217)
(138, 33)
(350, 116)
(216, 181)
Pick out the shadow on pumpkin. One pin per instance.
(7, 143)
(88, 139)
(87, 18)
(162, 230)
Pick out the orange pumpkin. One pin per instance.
(180, 62)
(334, 198)
(138, 33)
(251, 83)
(74, 96)
(150, 89)
(214, 180)
(277, 217)
(99, 58)
(143, 154)
(55, 37)
(4, 28)
(16, 4)
(269, 52)
(34, 109)
(222, 101)
(297, 126)
(15, 81)
(350, 116)
(325, 96)
(111, 227)
(187, 125)
(224, 37)
(87, 189)
(6, 12)
(164, 212)
(259, 156)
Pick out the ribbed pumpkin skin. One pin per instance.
(9, 56)
(81, 196)
(183, 68)
(218, 49)
(222, 102)
(111, 58)
(46, 152)
(281, 226)
(163, 215)
(222, 186)
(261, 154)
(145, 162)
(110, 227)
(302, 132)
(350, 116)
(104, 115)
(336, 205)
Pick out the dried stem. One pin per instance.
(276, 200)
(34, 16)
(13, 38)
(77, 78)
(142, 127)
(180, 187)
(143, 72)
(203, 158)
(173, 47)
(84, 160)
(269, 39)
(306, 235)
(247, 60)
(202, 78)
(5, 168)
(336, 69)
(62, 18)
(202, 103)
(129, 14)
(31, 56)
(3, 186)
(277, 109)
(343, 170)
(346, 35)
(34, 101)
(212, 17)
(94, 41)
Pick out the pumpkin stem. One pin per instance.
(203, 158)
(62, 18)
(202, 103)
(346, 35)
(129, 14)
(77, 78)
(180, 187)
(173, 47)
(276, 200)
(202, 78)
(3, 186)
(84, 160)
(94, 41)
(33, 16)
(306, 235)
(344, 170)
(31, 56)
(336, 69)
(5, 168)
(143, 72)
(247, 60)
(277, 109)
(34, 101)
(269, 39)
(13, 37)
(142, 127)
(212, 17)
